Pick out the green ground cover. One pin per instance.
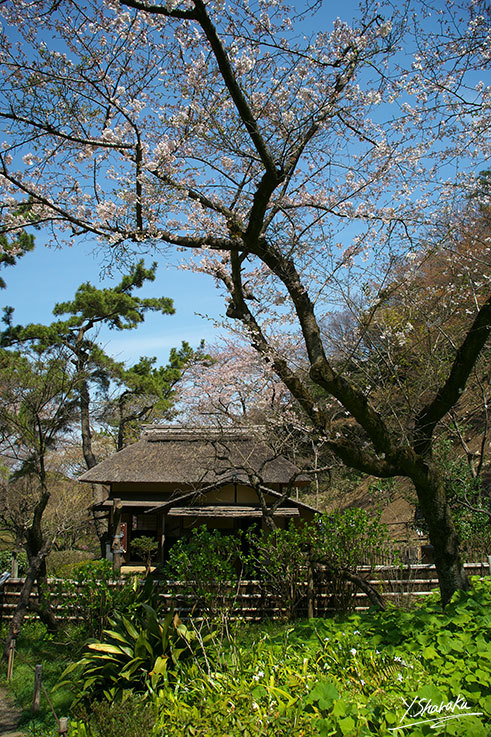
(363, 674)
(35, 646)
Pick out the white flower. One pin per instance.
(353, 651)
(105, 210)
(227, 163)
(399, 676)
(385, 29)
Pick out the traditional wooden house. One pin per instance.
(178, 478)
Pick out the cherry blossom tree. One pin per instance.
(294, 167)
(232, 385)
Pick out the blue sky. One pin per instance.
(48, 275)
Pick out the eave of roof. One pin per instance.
(174, 503)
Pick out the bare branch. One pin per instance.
(448, 395)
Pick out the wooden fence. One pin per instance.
(253, 602)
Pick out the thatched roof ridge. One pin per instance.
(187, 456)
(156, 433)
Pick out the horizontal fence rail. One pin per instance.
(252, 602)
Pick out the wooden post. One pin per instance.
(63, 726)
(14, 568)
(162, 540)
(36, 699)
(117, 535)
(10, 663)
(310, 590)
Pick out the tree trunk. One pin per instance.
(43, 607)
(98, 491)
(442, 533)
(89, 457)
(35, 566)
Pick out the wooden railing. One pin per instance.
(251, 602)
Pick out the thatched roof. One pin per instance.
(195, 456)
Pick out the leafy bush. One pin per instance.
(206, 564)
(280, 559)
(134, 717)
(6, 561)
(136, 656)
(145, 547)
(91, 595)
(349, 539)
(333, 546)
(341, 542)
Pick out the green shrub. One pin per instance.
(92, 596)
(330, 547)
(342, 542)
(65, 563)
(136, 655)
(207, 565)
(134, 717)
(280, 559)
(6, 561)
(349, 539)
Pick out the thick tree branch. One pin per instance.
(447, 396)
(355, 456)
(321, 371)
(350, 453)
(240, 101)
(262, 196)
(52, 131)
(239, 309)
(159, 10)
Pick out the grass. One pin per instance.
(346, 675)
(54, 652)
